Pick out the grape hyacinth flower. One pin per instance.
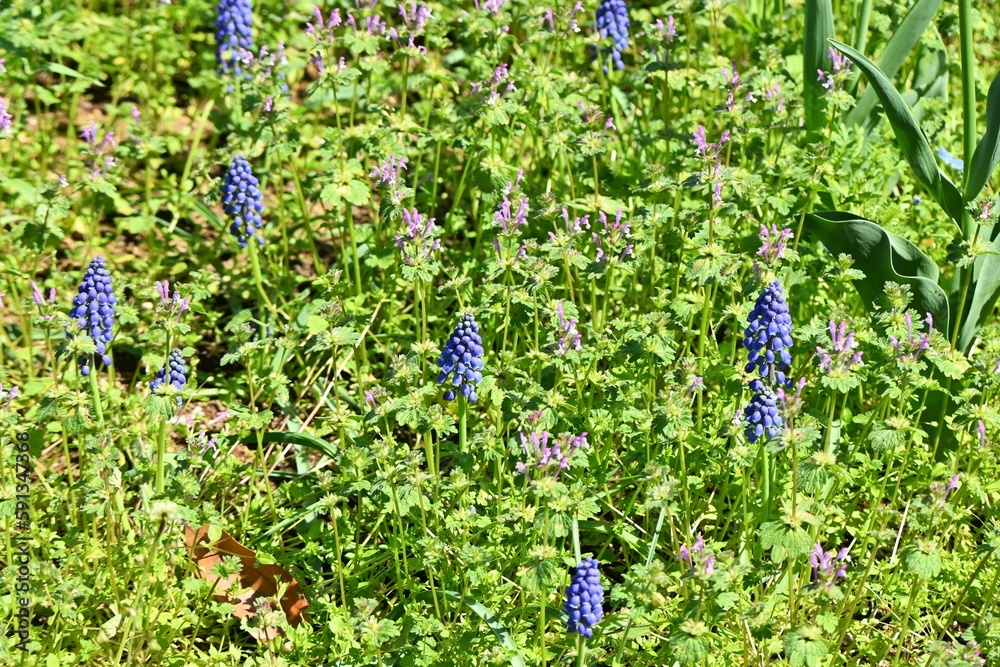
(243, 202)
(768, 336)
(841, 356)
(94, 310)
(462, 359)
(612, 21)
(174, 373)
(828, 567)
(584, 599)
(761, 415)
(233, 32)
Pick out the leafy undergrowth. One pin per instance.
(413, 310)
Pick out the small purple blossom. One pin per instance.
(828, 567)
(417, 243)
(389, 172)
(171, 303)
(569, 337)
(773, 243)
(839, 64)
(508, 219)
(493, 85)
(557, 455)
(911, 348)
(5, 117)
(695, 555)
(981, 430)
(615, 234)
(841, 356)
(39, 299)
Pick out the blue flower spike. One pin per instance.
(243, 202)
(612, 21)
(94, 310)
(174, 373)
(768, 336)
(233, 31)
(462, 360)
(584, 599)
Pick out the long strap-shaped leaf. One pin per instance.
(895, 52)
(883, 256)
(985, 291)
(911, 139)
(987, 154)
(819, 29)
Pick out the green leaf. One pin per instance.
(894, 55)
(514, 656)
(912, 142)
(922, 561)
(805, 647)
(985, 288)
(281, 437)
(883, 257)
(819, 29)
(987, 154)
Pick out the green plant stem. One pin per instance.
(161, 450)
(95, 392)
(462, 426)
(354, 248)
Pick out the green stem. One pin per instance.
(255, 265)
(462, 435)
(161, 450)
(968, 87)
(95, 392)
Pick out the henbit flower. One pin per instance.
(827, 566)
(417, 17)
(574, 227)
(39, 299)
(773, 243)
(911, 348)
(233, 32)
(462, 359)
(243, 202)
(615, 234)
(981, 430)
(569, 337)
(613, 22)
(493, 84)
(768, 336)
(761, 416)
(94, 310)
(537, 445)
(839, 66)
(508, 220)
(174, 373)
(841, 356)
(5, 117)
(11, 395)
(492, 7)
(172, 303)
(417, 242)
(668, 32)
(388, 173)
(99, 162)
(584, 599)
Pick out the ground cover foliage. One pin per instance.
(499, 332)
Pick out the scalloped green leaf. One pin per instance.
(882, 256)
(911, 139)
(987, 154)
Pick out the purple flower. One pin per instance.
(695, 554)
(828, 567)
(489, 89)
(773, 243)
(389, 172)
(912, 346)
(5, 117)
(416, 18)
(614, 234)
(761, 416)
(981, 430)
(569, 337)
(508, 220)
(171, 303)
(243, 202)
(39, 299)
(461, 360)
(555, 456)
(841, 356)
(768, 336)
(174, 373)
(417, 243)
